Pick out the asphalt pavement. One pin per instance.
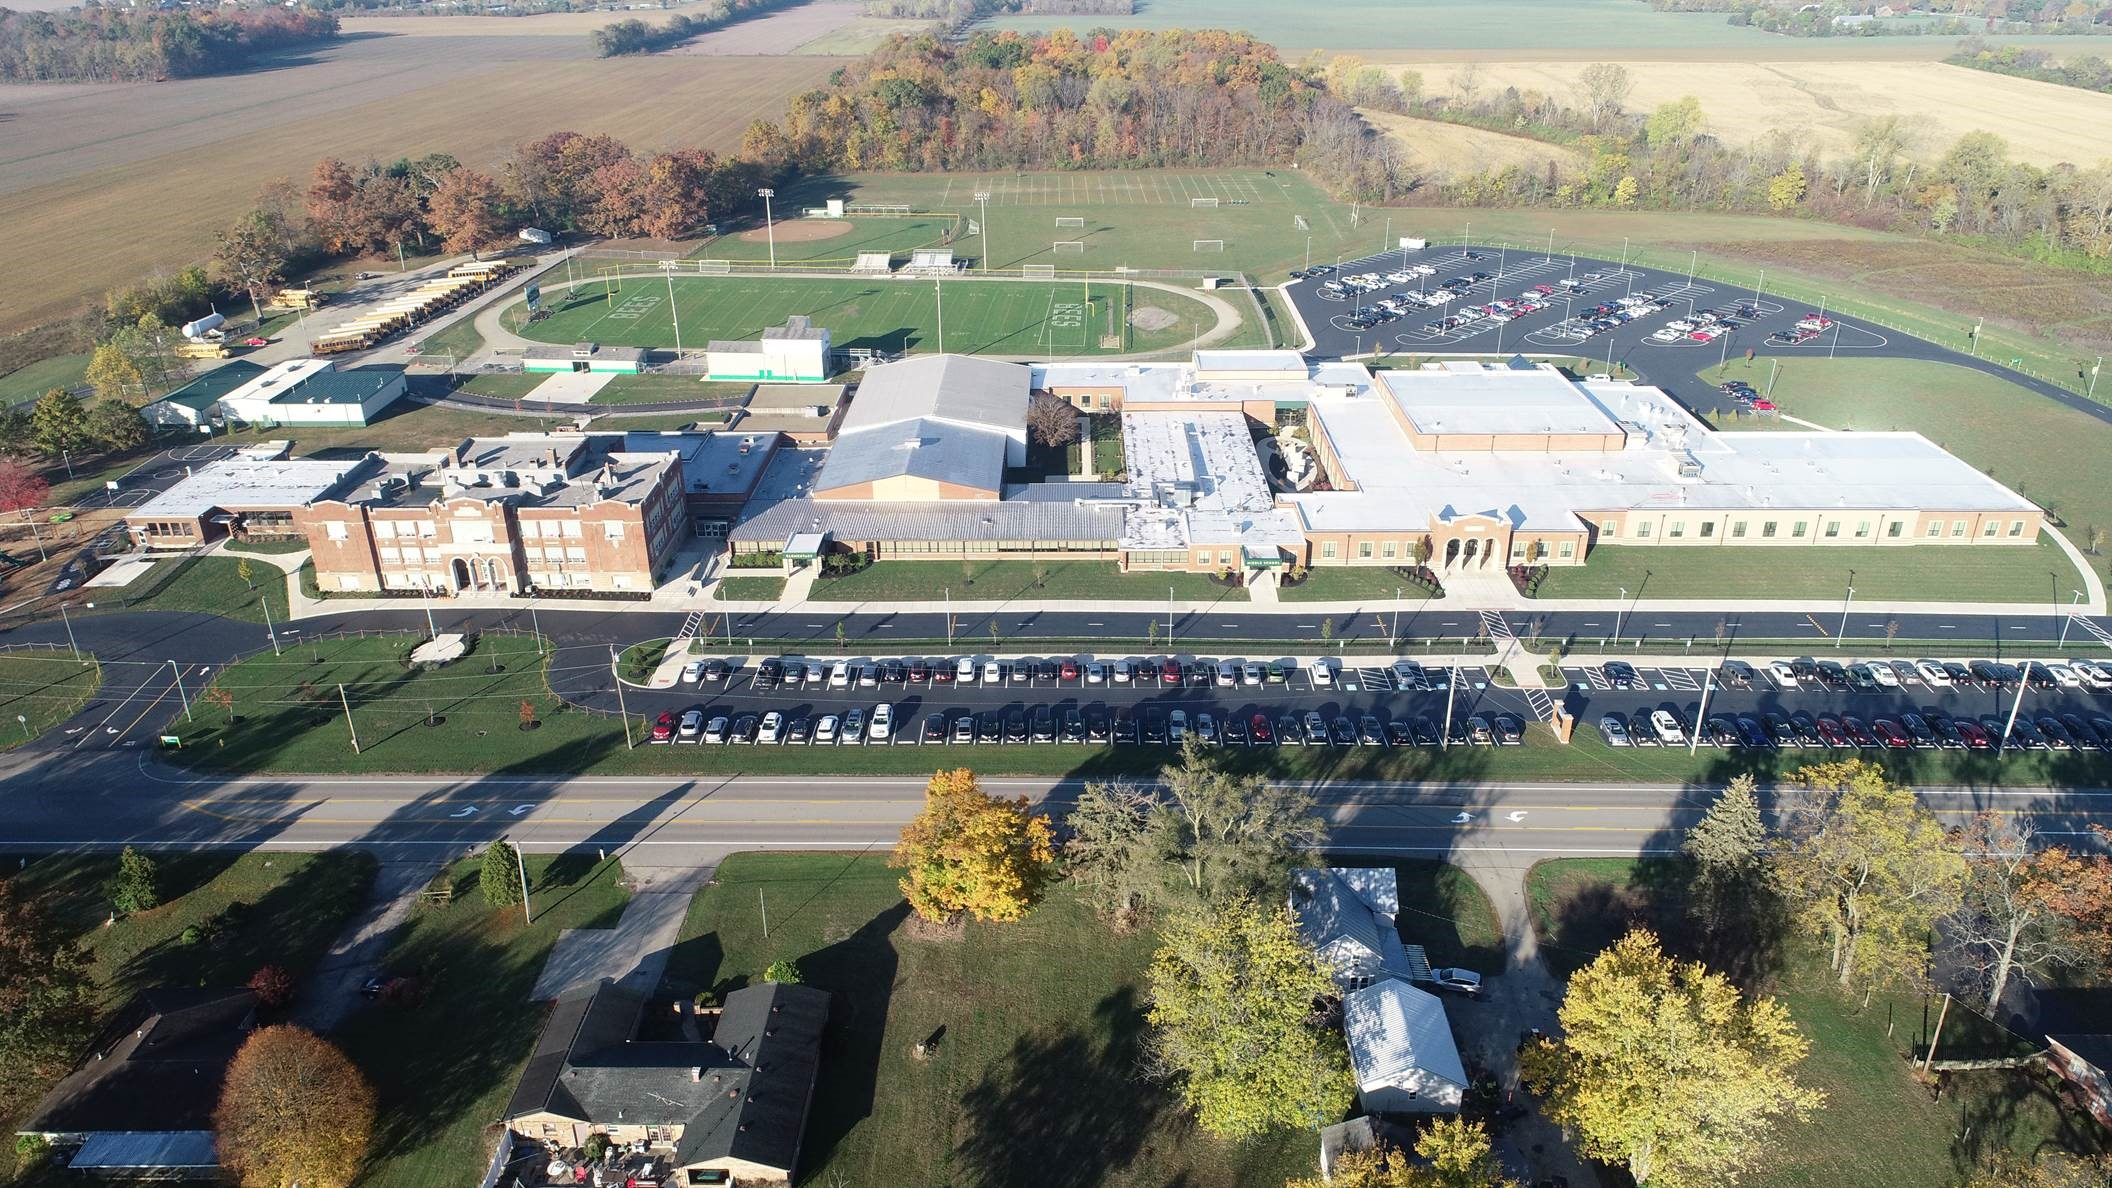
(1670, 366)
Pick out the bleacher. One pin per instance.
(932, 262)
(874, 263)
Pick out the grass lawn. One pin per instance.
(212, 585)
(1372, 584)
(1880, 1126)
(1038, 1022)
(757, 589)
(668, 389)
(1971, 573)
(2043, 450)
(1445, 911)
(442, 1070)
(1004, 317)
(501, 385)
(44, 687)
(403, 427)
(266, 547)
(33, 380)
(870, 233)
(986, 581)
(462, 339)
(251, 909)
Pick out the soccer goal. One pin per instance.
(1038, 271)
(715, 267)
(1072, 246)
(1209, 245)
(1070, 221)
(1301, 223)
(1210, 202)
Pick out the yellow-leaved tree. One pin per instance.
(972, 852)
(1458, 1155)
(293, 1111)
(1667, 1069)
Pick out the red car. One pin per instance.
(1259, 727)
(256, 342)
(1892, 734)
(1170, 672)
(1830, 730)
(1975, 735)
(1068, 670)
(664, 726)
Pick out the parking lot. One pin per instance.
(1447, 299)
(1962, 704)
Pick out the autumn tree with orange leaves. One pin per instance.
(294, 1110)
(972, 852)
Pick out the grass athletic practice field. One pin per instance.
(992, 317)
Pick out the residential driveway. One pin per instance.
(333, 989)
(635, 951)
(1525, 996)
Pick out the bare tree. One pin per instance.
(1052, 421)
(1601, 89)
(1466, 80)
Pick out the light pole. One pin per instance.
(622, 709)
(1845, 603)
(70, 641)
(2015, 708)
(1619, 609)
(1701, 716)
(938, 289)
(674, 313)
(1976, 336)
(949, 617)
(265, 602)
(769, 226)
(1393, 635)
(2095, 368)
(2068, 618)
(982, 202)
(520, 865)
(1169, 618)
(180, 694)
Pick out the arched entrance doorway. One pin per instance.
(461, 573)
(1473, 547)
(1451, 553)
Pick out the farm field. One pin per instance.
(1457, 149)
(76, 171)
(780, 32)
(1025, 318)
(1821, 103)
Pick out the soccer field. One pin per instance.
(993, 317)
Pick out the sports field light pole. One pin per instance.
(2099, 366)
(674, 313)
(982, 202)
(2015, 707)
(938, 289)
(185, 697)
(769, 226)
(2069, 618)
(1846, 602)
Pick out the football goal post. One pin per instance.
(1038, 271)
(1070, 221)
(1070, 246)
(1209, 245)
(715, 267)
(1210, 202)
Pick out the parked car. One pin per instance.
(1667, 728)
(883, 724)
(1457, 980)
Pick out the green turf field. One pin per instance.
(870, 234)
(1037, 319)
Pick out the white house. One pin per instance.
(1347, 915)
(1402, 1051)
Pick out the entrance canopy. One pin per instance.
(805, 546)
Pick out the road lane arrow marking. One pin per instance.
(1515, 816)
(467, 810)
(518, 809)
(1463, 818)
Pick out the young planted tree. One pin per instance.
(293, 1110)
(221, 699)
(1867, 870)
(972, 852)
(500, 875)
(47, 998)
(244, 571)
(1667, 1069)
(136, 887)
(1234, 1024)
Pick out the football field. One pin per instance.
(1039, 319)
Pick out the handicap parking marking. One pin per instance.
(1596, 678)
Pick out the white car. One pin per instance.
(1457, 980)
(772, 729)
(2063, 675)
(883, 725)
(691, 726)
(1782, 674)
(817, 675)
(840, 676)
(1323, 676)
(1933, 674)
(964, 671)
(825, 729)
(1227, 674)
(1125, 672)
(1095, 673)
(1668, 729)
(693, 672)
(1250, 674)
(993, 673)
(1883, 675)
(2095, 675)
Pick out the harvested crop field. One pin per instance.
(1823, 102)
(79, 176)
(1454, 149)
(780, 32)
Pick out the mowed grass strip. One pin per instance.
(443, 1069)
(42, 689)
(1038, 1027)
(1937, 573)
(2046, 451)
(991, 317)
(1026, 581)
(1880, 1125)
(751, 589)
(1375, 586)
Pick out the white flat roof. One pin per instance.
(240, 483)
(1289, 362)
(1464, 396)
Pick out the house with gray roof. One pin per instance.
(1402, 1051)
(1347, 915)
(729, 1111)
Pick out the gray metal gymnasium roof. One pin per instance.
(960, 389)
(927, 449)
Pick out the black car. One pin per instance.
(1918, 728)
(1719, 731)
(988, 727)
(1044, 727)
(1125, 728)
(1832, 675)
(768, 673)
(1425, 732)
(1073, 728)
(2025, 732)
(1779, 731)
(1398, 734)
(1288, 732)
(745, 728)
(1947, 734)
(1641, 732)
(1096, 726)
(2085, 738)
(2056, 734)
(1370, 731)
(1342, 732)
(1806, 729)
(1235, 730)
(1622, 675)
(894, 672)
(1737, 674)
(1509, 731)
(1199, 674)
(715, 670)
(1961, 676)
(1015, 727)
(1154, 727)
(801, 730)
(934, 728)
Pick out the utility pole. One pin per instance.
(769, 227)
(2015, 707)
(180, 694)
(982, 200)
(1701, 716)
(621, 708)
(347, 703)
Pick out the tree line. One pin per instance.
(1932, 18)
(99, 43)
(1668, 159)
(2088, 72)
(1112, 99)
(634, 36)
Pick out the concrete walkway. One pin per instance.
(332, 990)
(635, 951)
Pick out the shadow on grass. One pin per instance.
(1064, 1110)
(859, 971)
